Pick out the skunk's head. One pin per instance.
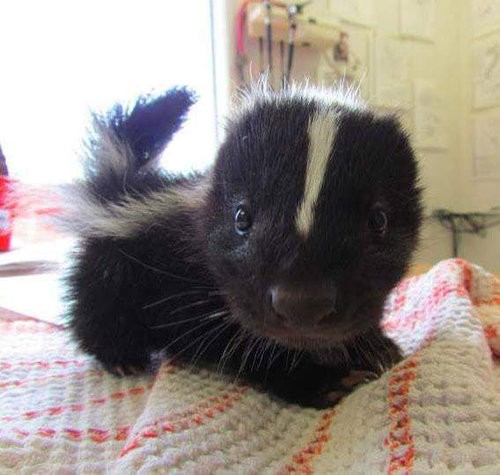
(312, 217)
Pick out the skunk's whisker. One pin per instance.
(190, 305)
(278, 354)
(259, 350)
(202, 337)
(170, 297)
(266, 343)
(201, 318)
(206, 321)
(218, 330)
(271, 360)
(247, 353)
(296, 359)
(180, 322)
(230, 348)
(156, 269)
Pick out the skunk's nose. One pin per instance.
(303, 305)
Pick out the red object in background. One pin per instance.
(5, 214)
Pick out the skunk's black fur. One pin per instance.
(161, 268)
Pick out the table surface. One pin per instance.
(30, 283)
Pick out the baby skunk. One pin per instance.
(273, 266)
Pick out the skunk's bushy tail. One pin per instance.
(125, 143)
(121, 167)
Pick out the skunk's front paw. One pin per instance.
(333, 393)
(126, 370)
(357, 377)
(125, 365)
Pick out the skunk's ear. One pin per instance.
(151, 123)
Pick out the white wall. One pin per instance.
(473, 193)
(433, 61)
(445, 173)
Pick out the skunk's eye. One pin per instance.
(377, 221)
(242, 220)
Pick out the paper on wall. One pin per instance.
(487, 145)
(417, 18)
(359, 12)
(429, 120)
(392, 73)
(485, 15)
(487, 72)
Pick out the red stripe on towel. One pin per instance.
(167, 368)
(400, 439)
(94, 434)
(198, 415)
(57, 410)
(302, 460)
(50, 377)
(45, 365)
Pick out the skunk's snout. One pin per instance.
(303, 305)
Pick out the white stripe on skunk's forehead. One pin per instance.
(261, 93)
(322, 129)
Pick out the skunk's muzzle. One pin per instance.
(303, 305)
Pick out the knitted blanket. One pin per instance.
(437, 411)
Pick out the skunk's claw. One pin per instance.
(122, 370)
(335, 393)
(358, 377)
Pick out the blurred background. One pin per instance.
(434, 62)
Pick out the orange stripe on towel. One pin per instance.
(44, 365)
(176, 422)
(400, 439)
(197, 415)
(115, 396)
(57, 410)
(94, 434)
(50, 377)
(302, 460)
